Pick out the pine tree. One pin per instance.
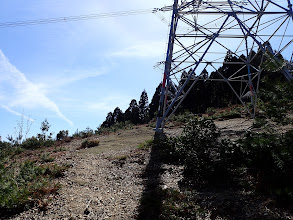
(154, 105)
(132, 113)
(118, 115)
(109, 120)
(144, 108)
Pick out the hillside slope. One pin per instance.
(119, 180)
(103, 182)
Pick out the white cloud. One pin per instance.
(16, 113)
(20, 92)
(69, 76)
(143, 49)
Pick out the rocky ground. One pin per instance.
(103, 182)
(108, 181)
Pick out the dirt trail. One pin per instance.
(103, 183)
(108, 181)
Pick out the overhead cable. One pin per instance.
(76, 18)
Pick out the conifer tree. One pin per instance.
(109, 120)
(132, 113)
(154, 105)
(143, 108)
(118, 115)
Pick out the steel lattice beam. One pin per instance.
(202, 33)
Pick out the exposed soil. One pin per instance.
(103, 182)
(108, 181)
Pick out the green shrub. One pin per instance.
(270, 161)
(260, 161)
(182, 117)
(62, 135)
(146, 145)
(206, 159)
(22, 187)
(8, 150)
(114, 128)
(277, 99)
(89, 143)
(35, 143)
(32, 143)
(45, 157)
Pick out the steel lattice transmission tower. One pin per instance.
(203, 32)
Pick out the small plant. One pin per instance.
(88, 132)
(32, 143)
(24, 186)
(89, 144)
(146, 145)
(45, 157)
(259, 123)
(59, 149)
(35, 143)
(114, 128)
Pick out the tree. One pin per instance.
(132, 113)
(154, 105)
(143, 108)
(109, 120)
(118, 115)
(45, 126)
(61, 135)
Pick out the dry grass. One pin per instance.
(122, 139)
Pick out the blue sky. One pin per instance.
(74, 73)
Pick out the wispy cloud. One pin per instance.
(16, 113)
(142, 50)
(20, 92)
(71, 76)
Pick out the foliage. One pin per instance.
(276, 99)
(132, 113)
(154, 105)
(135, 113)
(264, 158)
(89, 143)
(109, 120)
(146, 145)
(143, 108)
(182, 117)
(88, 132)
(115, 127)
(22, 187)
(8, 150)
(45, 127)
(180, 205)
(45, 157)
(62, 135)
(35, 143)
(118, 115)
(229, 112)
(269, 159)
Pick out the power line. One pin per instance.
(76, 18)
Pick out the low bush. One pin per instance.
(266, 159)
(114, 128)
(269, 159)
(62, 135)
(35, 143)
(89, 144)
(8, 150)
(145, 145)
(22, 187)
(45, 157)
